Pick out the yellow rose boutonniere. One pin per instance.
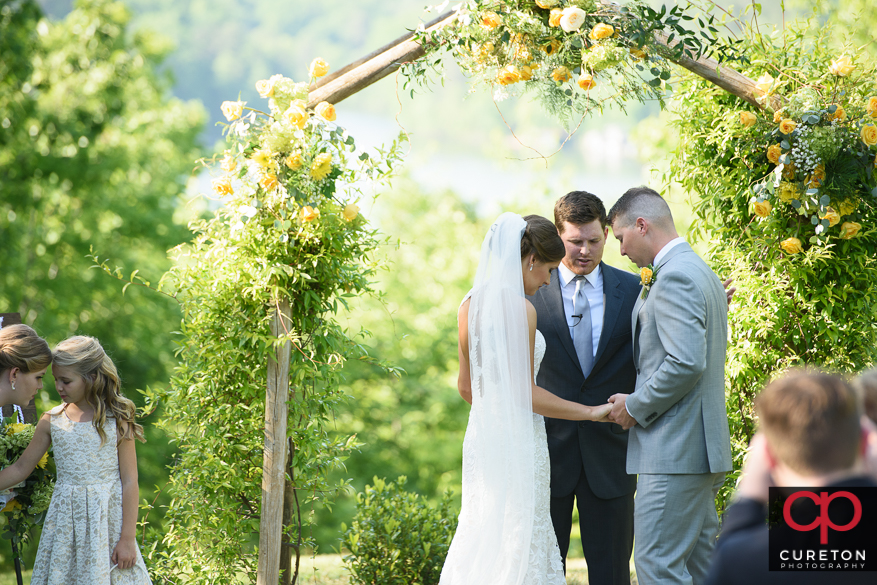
(748, 119)
(774, 152)
(647, 275)
(791, 246)
(869, 134)
(842, 66)
(788, 126)
(762, 208)
(849, 229)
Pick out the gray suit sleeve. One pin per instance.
(678, 307)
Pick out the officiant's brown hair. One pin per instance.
(540, 237)
(579, 208)
(811, 421)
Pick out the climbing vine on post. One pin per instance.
(288, 233)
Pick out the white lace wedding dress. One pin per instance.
(544, 566)
(84, 519)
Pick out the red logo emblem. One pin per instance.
(823, 522)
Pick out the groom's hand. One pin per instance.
(619, 414)
(729, 290)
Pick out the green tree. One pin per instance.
(93, 154)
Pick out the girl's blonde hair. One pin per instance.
(85, 356)
(22, 348)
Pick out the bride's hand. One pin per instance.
(601, 413)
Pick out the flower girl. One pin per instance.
(88, 536)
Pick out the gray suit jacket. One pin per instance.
(599, 448)
(680, 334)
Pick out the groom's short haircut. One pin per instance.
(811, 421)
(579, 208)
(641, 202)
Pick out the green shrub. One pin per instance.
(396, 538)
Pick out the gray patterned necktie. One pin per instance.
(583, 332)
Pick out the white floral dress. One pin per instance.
(84, 520)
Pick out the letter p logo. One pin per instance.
(823, 522)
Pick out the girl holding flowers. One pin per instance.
(89, 533)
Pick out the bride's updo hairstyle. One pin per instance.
(22, 348)
(540, 238)
(85, 356)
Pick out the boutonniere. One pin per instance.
(647, 275)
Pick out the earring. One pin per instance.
(12, 383)
(531, 267)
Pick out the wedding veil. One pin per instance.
(492, 542)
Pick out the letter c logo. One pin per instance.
(823, 522)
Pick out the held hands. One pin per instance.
(125, 553)
(601, 413)
(619, 414)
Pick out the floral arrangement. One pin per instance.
(25, 505)
(820, 138)
(576, 54)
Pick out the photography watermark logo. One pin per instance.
(823, 529)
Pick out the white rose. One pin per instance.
(572, 18)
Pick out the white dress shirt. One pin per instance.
(666, 249)
(593, 289)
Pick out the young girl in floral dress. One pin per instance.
(88, 537)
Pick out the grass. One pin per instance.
(330, 570)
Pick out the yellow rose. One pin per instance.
(12, 506)
(841, 67)
(561, 74)
(787, 126)
(322, 166)
(818, 176)
(847, 206)
(263, 158)
(601, 31)
(832, 216)
(871, 107)
(551, 47)
(526, 73)
(839, 114)
(326, 111)
(586, 81)
(645, 276)
(508, 75)
(294, 161)
(748, 119)
(296, 116)
(791, 246)
(572, 18)
(869, 134)
(269, 182)
(778, 116)
(554, 18)
(849, 229)
(774, 152)
(762, 208)
(232, 110)
(309, 213)
(789, 171)
(318, 68)
(351, 210)
(638, 53)
(490, 19)
(43, 460)
(265, 87)
(764, 84)
(222, 186)
(547, 3)
(228, 164)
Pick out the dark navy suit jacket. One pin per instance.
(600, 447)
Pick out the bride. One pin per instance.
(505, 536)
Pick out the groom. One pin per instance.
(679, 440)
(583, 315)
